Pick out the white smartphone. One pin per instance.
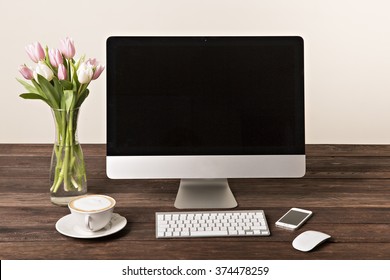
(294, 218)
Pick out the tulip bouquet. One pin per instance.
(61, 82)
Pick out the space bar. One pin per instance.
(209, 233)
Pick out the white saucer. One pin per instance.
(66, 226)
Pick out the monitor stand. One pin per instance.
(204, 193)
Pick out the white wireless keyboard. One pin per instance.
(211, 223)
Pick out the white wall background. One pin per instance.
(347, 59)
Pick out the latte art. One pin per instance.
(92, 203)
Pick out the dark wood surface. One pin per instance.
(346, 186)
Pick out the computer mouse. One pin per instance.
(308, 240)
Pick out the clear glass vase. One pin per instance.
(67, 169)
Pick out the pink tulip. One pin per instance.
(92, 61)
(61, 72)
(26, 72)
(97, 68)
(67, 48)
(35, 52)
(55, 57)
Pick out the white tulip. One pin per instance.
(85, 73)
(43, 70)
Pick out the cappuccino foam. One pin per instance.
(92, 203)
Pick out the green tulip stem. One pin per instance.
(69, 160)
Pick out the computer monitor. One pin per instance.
(205, 109)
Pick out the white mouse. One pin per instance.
(308, 240)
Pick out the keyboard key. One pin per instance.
(208, 233)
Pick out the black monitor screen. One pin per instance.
(205, 96)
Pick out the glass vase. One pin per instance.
(67, 169)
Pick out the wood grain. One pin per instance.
(346, 186)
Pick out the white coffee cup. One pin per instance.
(92, 212)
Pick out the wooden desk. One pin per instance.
(346, 186)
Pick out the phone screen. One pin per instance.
(294, 217)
